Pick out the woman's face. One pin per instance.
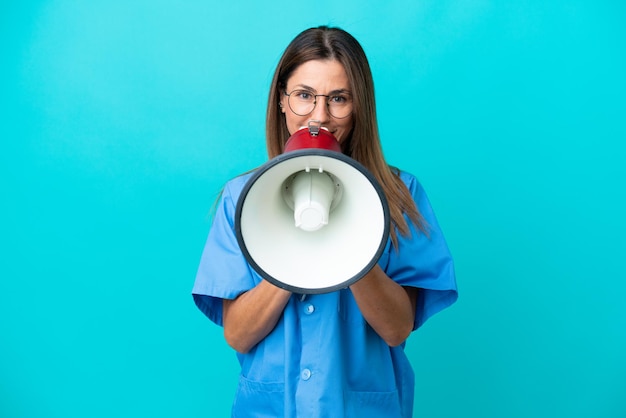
(326, 77)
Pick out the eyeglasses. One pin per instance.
(302, 103)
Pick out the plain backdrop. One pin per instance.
(121, 120)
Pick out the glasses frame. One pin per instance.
(328, 96)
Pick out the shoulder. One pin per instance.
(409, 180)
(235, 185)
(226, 202)
(418, 193)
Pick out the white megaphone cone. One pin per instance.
(312, 220)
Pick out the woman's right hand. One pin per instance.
(253, 315)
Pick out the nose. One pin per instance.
(320, 112)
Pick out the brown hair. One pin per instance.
(363, 144)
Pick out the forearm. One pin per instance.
(253, 315)
(386, 306)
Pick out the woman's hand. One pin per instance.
(253, 315)
(386, 306)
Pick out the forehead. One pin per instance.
(320, 75)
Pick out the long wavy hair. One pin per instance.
(363, 144)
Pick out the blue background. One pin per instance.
(120, 121)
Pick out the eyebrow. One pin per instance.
(305, 87)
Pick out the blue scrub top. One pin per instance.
(322, 359)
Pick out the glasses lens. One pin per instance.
(301, 102)
(340, 105)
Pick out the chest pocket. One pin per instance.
(374, 405)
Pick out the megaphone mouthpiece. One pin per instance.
(312, 193)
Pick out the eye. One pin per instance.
(339, 99)
(303, 95)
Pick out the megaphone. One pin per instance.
(312, 220)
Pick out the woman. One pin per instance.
(340, 353)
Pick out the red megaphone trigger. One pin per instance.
(312, 136)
